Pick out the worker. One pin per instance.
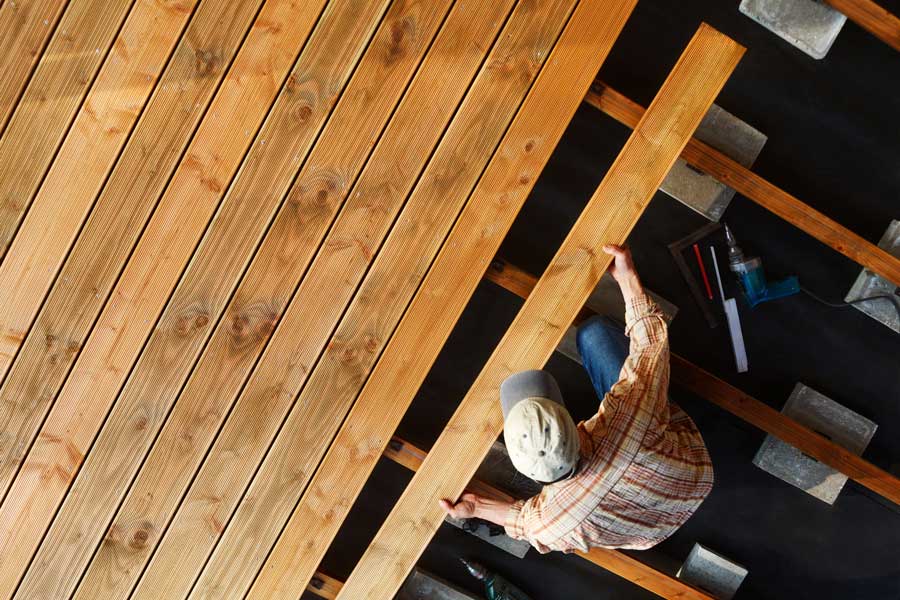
(629, 476)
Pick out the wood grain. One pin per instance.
(871, 17)
(754, 187)
(575, 270)
(43, 114)
(25, 29)
(213, 156)
(70, 189)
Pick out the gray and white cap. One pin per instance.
(540, 435)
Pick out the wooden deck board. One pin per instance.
(43, 115)
(575, 270)
(25, 29)
(79, 172)
(243, 100)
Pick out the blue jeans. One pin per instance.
(603, 347)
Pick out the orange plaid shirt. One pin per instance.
(644, 468)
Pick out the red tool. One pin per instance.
(703, 272)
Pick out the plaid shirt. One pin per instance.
(644, 469)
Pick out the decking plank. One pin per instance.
(43, 115)
(243, 99)
(89, 152)
(746, 182)
(575, 270)
(25, 29)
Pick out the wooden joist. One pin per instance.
(753, 411)
(871, 17)
(66, 195)
(25, 29)
(613, 210)
(754, 187)
(243, 99)
(488, 215)
(44, 114)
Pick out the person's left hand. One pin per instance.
(464, 509)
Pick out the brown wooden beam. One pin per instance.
(753, 411)
(751, 185)
(871, 17)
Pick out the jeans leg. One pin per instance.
(603, 347)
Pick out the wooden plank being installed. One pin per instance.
(753, 411)
(25, 29)
(575, 270)
(44, 113)
(871, 17)
(242, 100)
(754, 187)
(501, 192)
(67, 194)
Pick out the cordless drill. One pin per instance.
(752, 277)
(495, 586)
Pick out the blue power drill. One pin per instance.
(752, 277)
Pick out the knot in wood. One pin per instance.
(205, 62)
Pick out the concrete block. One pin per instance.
(825, 416)
(420, 585)
(712, 572)
(810, 25)
(704, 193)
(869, 284)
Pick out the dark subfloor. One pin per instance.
(834, 142)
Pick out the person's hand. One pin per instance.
(464, 509)
(623, 271)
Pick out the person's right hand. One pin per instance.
(623, 271)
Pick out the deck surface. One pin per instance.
(213, 216)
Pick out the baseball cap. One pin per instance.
(540, 435)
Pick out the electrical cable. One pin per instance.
(894, 299)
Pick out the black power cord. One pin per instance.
(894, 299)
